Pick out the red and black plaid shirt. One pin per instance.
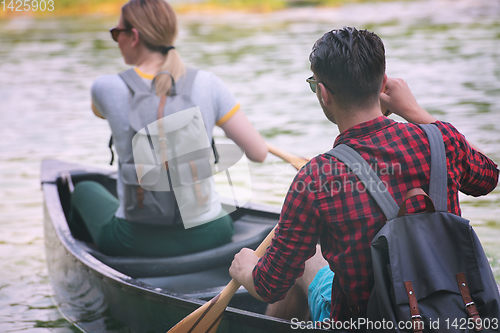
(326, 202)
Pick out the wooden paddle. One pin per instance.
(207, 318)
(297, 161)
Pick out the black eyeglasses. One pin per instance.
(115, 32)
(313, 83)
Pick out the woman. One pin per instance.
(145, 35)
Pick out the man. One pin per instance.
(327, 203)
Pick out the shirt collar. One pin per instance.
(364, 129)
(144, 75)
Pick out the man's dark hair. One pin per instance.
(351, 63)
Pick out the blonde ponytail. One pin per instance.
(174, 65)
(157, 25)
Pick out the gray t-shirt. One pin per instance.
(110, 97)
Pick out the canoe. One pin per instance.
(99, 293)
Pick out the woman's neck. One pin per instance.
(150, 62)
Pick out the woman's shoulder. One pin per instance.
(204, 76)
(108, 81)
(108, 85)
(206, 79)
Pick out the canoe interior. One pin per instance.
(201, 280)
(99, 293)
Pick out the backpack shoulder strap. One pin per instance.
(438, 187)
(365, 173)
(186, 86)
(134, 81)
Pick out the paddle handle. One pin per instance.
(296, 161)
(261, 250)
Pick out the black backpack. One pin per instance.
(430, 270)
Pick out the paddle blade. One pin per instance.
(206, 319)
(216, 326)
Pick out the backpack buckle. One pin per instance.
(355, 311)
(469, 304)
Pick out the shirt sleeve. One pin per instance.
(95, 95)
(96, 112)
(295, 241)
(479, 173)
(223, 100)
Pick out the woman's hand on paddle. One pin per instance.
(398, 98)
(241, 270)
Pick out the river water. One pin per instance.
(448, 52)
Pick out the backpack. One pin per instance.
(430, 270)
(167, 168)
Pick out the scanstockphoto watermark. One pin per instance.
(334, 177)
(384, 325)
(356, 324)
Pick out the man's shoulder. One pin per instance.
(322, 165)
(448, 131)
(446, 128)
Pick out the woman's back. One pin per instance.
(215, 102)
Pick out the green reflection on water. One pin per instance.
(99, 45)
(219, 33)
(53, 323)
(492, 92)
(493, 203)
(488, 127)
(50, 307)
(271, 133)
(470, 85)
(436, 112)
(59, 325)
(493, 224)
(480, 107)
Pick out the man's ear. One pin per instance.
(384, 81)
(324, 94)
(135, 37)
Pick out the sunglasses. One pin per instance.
(115, 32)
(313, 84)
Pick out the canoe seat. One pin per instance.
(249, 231)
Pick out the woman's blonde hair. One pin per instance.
(157, 25)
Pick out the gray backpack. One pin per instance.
(430, 270)
(167, 167)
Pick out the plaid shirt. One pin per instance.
(326, 202)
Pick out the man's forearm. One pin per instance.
(247, 282)
(419, 117)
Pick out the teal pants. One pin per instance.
(92, 218)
